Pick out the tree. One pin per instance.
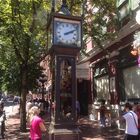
(100, 22)
(23, 39)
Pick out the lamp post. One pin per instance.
(42, 80)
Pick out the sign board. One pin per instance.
(83, 71)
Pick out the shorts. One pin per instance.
(131, 137)
(35, 139)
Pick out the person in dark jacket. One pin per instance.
(2, 119)
(102, 110)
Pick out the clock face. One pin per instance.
(67, 32)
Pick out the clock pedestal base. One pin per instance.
(65, 134)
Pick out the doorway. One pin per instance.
(82, 96)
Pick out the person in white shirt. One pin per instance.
(29, 104)
(131, 130)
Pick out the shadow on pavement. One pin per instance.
(13, 129)
(90, 130)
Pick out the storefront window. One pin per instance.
(135, 4)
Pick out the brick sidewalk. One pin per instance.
(90, 130)
(13, 131)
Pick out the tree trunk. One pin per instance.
(24, 90)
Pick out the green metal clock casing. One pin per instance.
(67, 32)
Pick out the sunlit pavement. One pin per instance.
(90, 130)
(12, 130)
(11, 109)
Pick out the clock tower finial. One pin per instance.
(64, 2)
(64, 8)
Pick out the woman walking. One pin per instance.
(36, 124)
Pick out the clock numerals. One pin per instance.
(67, 33)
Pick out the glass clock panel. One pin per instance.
(67, 32)
(65, 90)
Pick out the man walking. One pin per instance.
(131, 131)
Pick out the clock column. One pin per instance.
(63, 117)
(66, 43)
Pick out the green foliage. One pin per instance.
(22, 40)
(100, 21)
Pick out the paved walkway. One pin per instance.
(13, 131)
(90, 130)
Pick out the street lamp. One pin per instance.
(42, 79)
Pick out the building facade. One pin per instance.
(115, 77)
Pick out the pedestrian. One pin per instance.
(131, 119)
(29, 104)
(36, 124)
(102, 111)
(134, 108)
(77, 109)
(138, 114)
(2, 119)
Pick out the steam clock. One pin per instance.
(65, 41)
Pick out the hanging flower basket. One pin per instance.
(138, 61)
(136, 46)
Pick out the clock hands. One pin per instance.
(69, 32)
